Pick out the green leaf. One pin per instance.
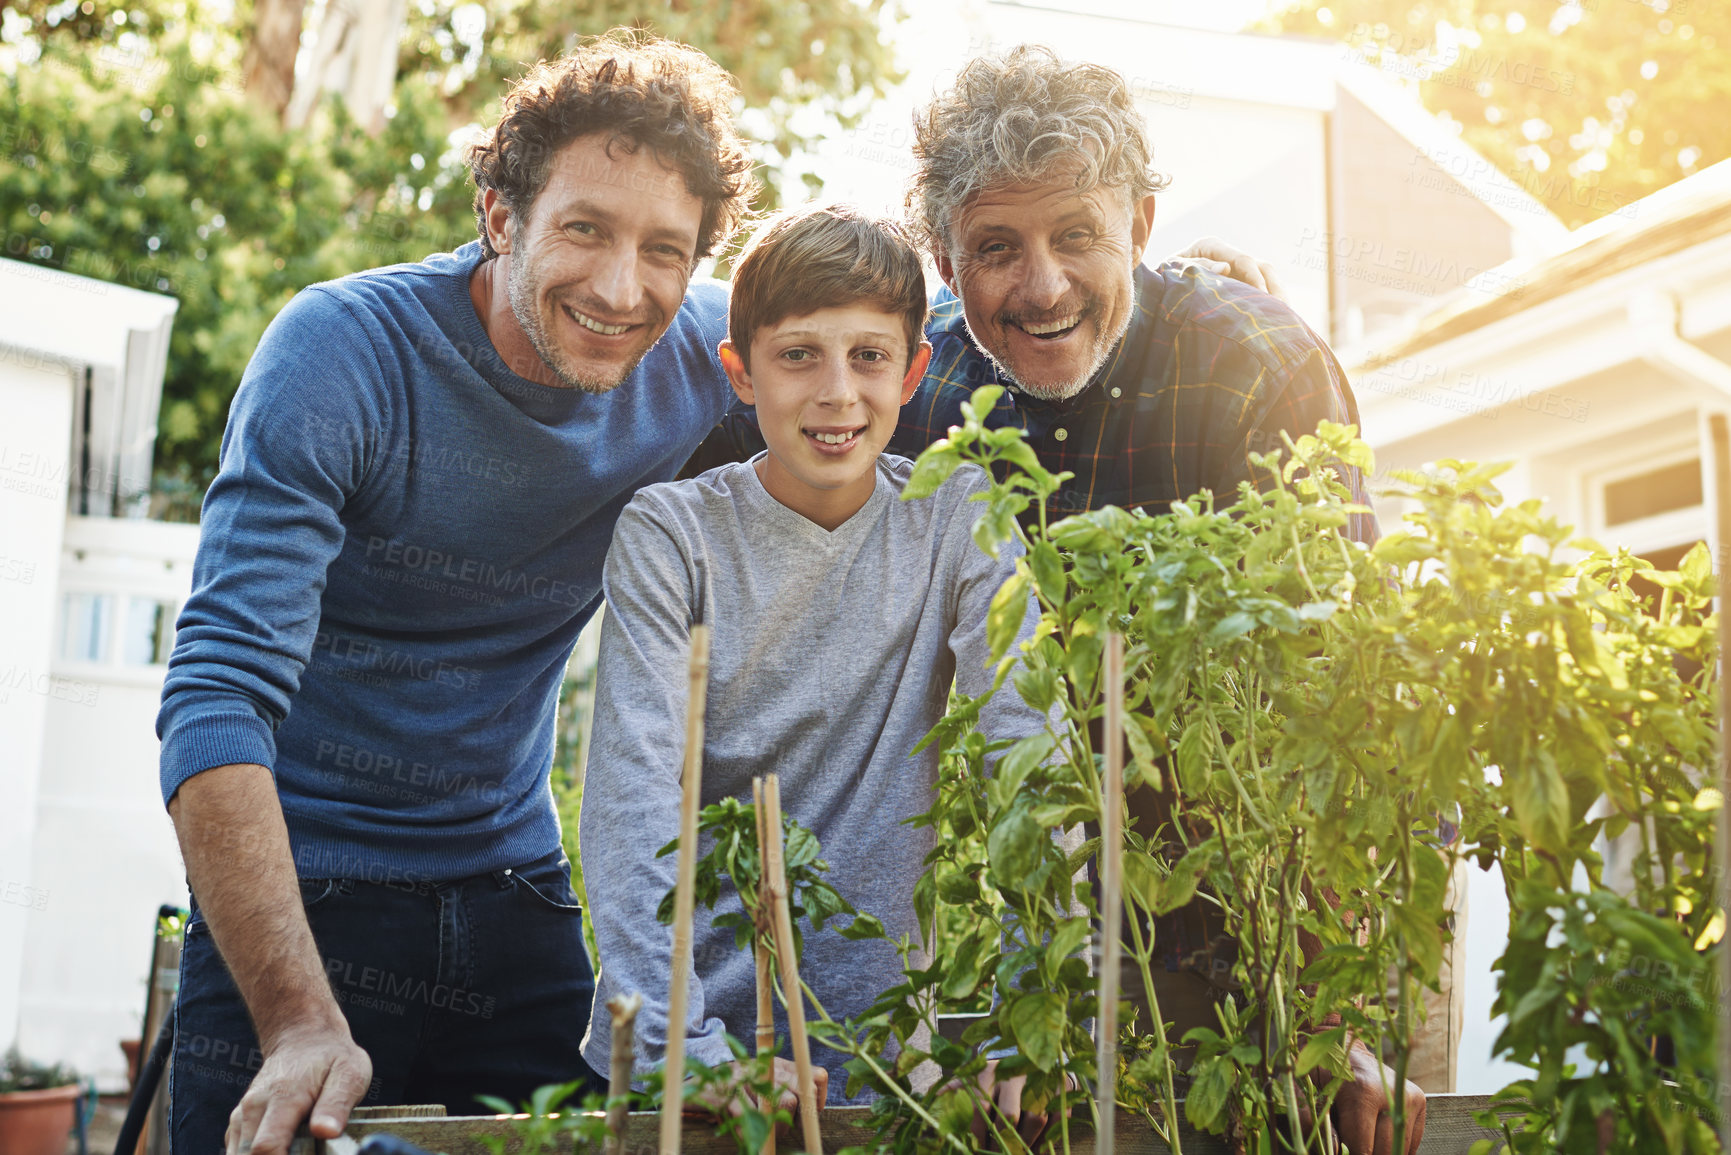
(1448, 758)
(964, 969)
(1210, 1089)
(1324, 1046)
(1066, 941)
(1013, 848)
(982, 401)
(1016, 764)
(932, 469)
(754, 1130)
(1194, 760)
(959, 888)
(802, 847)
(1176, 889)
(1009, 609)
(1540, 800)
(1142, 762)
(1142, 878)
(1231, 626)
(1037, 1022)
(864, 926)
(1038, 686)
(1048, 570)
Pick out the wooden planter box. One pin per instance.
(1449, 1130)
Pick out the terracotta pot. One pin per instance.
(37, 1122)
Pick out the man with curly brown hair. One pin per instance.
(420, 477)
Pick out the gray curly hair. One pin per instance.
(1013, 118)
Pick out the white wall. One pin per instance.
(33, 477)
(1266, 194)
(104, 847)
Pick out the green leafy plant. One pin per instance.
(172, 926)
(735, 857)
(552, 1125)
(1329, 728)
(1318, 716)
(19, 1074)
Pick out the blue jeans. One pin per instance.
(477, 986)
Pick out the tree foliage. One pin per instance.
(1589, 105)
(130, 152)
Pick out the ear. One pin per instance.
(737, 376)
(946, 270)
(1141, 225)
(498, 219)
(916, 371)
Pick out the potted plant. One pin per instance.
(38, 1106)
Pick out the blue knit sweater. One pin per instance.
(400, 547)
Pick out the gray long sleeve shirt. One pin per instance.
(832, 654)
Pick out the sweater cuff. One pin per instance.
(199, 744)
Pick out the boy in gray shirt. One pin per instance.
(840, 614)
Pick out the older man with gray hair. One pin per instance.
(1035, 190)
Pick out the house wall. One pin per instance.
(33, 481)
(1266, 194)
(1405, 231)
(104, 845)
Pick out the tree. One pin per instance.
(271, 50)
(145, 143)
(1589, 105)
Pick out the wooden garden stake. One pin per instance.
(623, 1008)
(1111, 895)
(765, 995)
(1720, 435)
(673, 1084)
(775, 869)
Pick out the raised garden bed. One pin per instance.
(1449, 1130)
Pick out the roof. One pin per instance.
(1694, 210)
(73, 319)
(1534, 227)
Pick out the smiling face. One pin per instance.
(599, 265)
(828, 387)
(1045, 277)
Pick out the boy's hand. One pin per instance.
(1362, 1108)
(1004, 1103)
(730, 1099)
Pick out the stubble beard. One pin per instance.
(524, 292)
(1065, 389)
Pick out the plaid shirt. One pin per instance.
(1209, 372)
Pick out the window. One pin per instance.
(149, 632)
(1676, 486)
(86, 622)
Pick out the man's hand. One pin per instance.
(1220, 257)
(1362, 1109)
(236, 849)
(729, 1099)
(318, 1072)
